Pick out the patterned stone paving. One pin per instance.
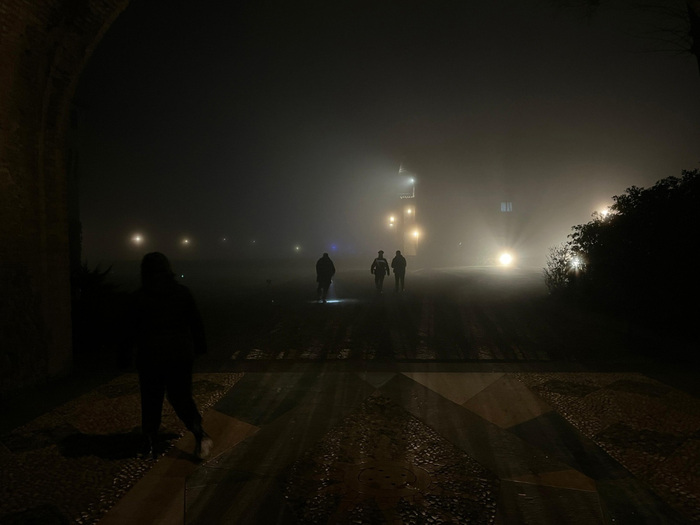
(382, 465)
(78, 460)
(379, 464)
(650, 428)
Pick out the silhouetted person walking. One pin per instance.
(398, 264)
(325, 270)
(168, 332)
(380, 269)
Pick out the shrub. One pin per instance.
(639, 257)
(562, 268)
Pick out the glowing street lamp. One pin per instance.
(137, 239)
(409, 181)
(407, 228)
(601, 214)
(505, 259)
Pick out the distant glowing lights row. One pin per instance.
(139, 240)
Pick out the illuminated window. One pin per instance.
(506, 206)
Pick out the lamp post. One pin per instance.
(416, 236)
(407, 198)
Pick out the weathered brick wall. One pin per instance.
(43, 48)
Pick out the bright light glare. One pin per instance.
(408, 210)
(137, 239)
(185, 241)
(416, 234)
(576, 263)
(505, 259)
(391, 219)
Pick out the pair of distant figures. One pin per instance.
(325, 270)
(380, 269)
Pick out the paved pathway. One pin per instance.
(422, 408)
(324, 444)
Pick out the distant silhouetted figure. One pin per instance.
(398, 264)
(380, 269)
(325, 270)
(168, 332)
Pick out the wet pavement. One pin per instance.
(351, 432)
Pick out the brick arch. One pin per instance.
(44, 47)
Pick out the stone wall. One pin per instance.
(43, 49)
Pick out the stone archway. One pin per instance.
(43, 49)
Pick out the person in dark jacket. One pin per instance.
(325, 270)
(380, 269)
(168, 332)
(398, 264)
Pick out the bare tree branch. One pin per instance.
(676, 23)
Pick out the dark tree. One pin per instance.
(640, 259)
(671, 26)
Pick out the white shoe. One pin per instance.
(205, 447)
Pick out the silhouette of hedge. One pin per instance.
(97, 309)
(640, 258)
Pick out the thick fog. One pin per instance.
(251, 129)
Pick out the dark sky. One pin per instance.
(284, 124)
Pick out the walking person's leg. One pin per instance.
(152, 388)
(179, 388)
